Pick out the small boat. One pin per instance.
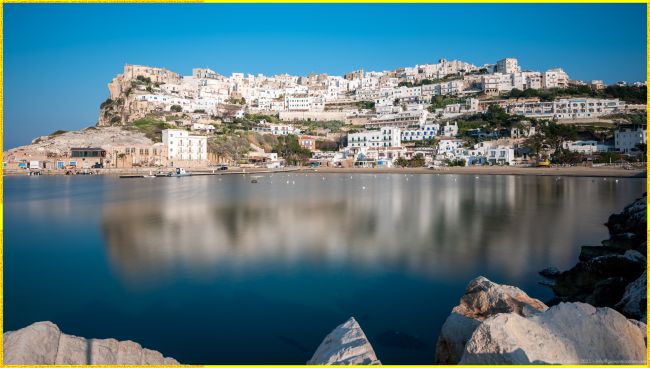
(175, 174)
(254, 181)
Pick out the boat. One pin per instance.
(175, 174)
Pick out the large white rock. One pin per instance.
(346, 344)
(35, 344)
(44, 343)
(483, 298)
(568, 333)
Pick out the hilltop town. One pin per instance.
(451, 113)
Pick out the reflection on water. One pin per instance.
(425, 225)
(220, 270)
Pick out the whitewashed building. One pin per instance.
(183, 146)
(626, 139)
(384, 137)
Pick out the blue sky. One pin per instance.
(58, 59)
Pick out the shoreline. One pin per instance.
(613, 172)
(500, 170)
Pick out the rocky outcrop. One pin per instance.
(582, 282)
(59, 145)
(628, 228)
(482, 299)
(612, 274)
(568, 333)
(44, 343)
(124, 104)
(345, 345)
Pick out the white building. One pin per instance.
(555, 78)
(183, 146)
(427, 131)
(448, 146)
(567, 109)
(450, 129)
(584, 147)
(626, 139)
(283, 129)
(209, 128)
(385, 137)
(507, 66)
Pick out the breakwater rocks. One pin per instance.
(612, 274)
(500, 324)
(44, 343)
(345, 345)
(482, 299)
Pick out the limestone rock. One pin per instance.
(568, 333)
(345, 345)
(35, 344)
(482, 299)
(44, 343)
(455, 333)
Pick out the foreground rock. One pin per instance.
(482, 299)
(635, 299)
(568, 333)
(611, 275)
(44, 343)
(346, 344)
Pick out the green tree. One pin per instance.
(289, 148)
(176, 108)
(417, 160)
(401, 162)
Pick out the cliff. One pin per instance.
(123, 104)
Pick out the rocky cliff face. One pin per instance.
(123, 104)
(345, 345)
(613, 274)
(44, 343)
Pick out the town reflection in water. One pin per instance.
(427, 225)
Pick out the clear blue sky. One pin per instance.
(58, 59)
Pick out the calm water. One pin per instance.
(219, 270)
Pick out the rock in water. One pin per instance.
(346, 344)
(568, 333)
(482, 299)
(628, 228)
(634, 301)
(549, 272)
(44, 343)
